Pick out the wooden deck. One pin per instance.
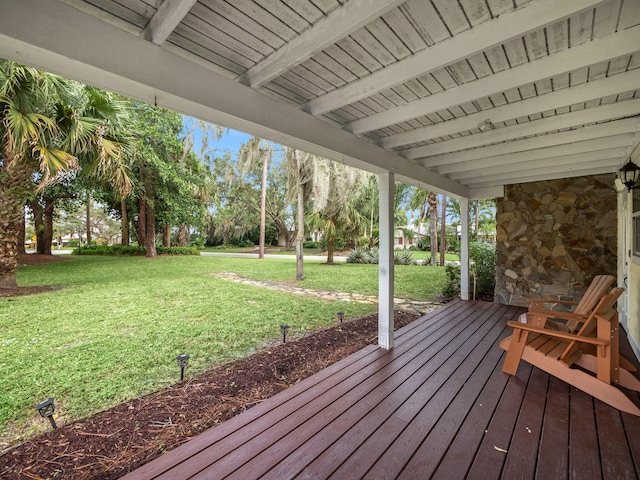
(436, 407)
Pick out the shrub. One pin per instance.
(483, 267)
(134, 250)
(339, 244)
(482, 270)
(358, 255)
(403, 257)
(177, 251)
(310, 244)
(452, 286)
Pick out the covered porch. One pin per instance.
(466, 98)
(436, 406)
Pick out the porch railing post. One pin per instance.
(464, 248)
(385, 266)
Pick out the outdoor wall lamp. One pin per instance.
(46, 409)
(284, 329)
(629, 175)
(183, 361)
(340, 316)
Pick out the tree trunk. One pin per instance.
(166, 236)
(183, 235)
(443, 226)
(15, 183)
(263, 205)
(433, 226)
(38, 223)
(142, 212)
(88, 219)
(47, 236)
(43, 221)
(125, 223)
(150, 224)
(300, 219)
(142, 221)
(22, 235)
(330, 248)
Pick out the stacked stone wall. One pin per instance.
(553, 237)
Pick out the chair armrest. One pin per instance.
(556, 334)
(576, 317)
(548, 300)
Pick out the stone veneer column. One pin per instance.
(553, 237)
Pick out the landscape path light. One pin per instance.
(46, 409)
(183, 361)
(341, 316)
(284, 329)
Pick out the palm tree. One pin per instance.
(333, 213)
(49, 128)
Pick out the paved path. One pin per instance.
(405, 304)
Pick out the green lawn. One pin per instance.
(115, 329)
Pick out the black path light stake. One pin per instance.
(183, 361)
(284, 329)
(46, 409)
(341, 316)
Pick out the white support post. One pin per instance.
(464, 248)
(385, 266)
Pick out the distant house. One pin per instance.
(402, 240)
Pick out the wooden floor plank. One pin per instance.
(492, 453)
(615, 455)
(583, 437)
(488, 380)
(437, 406)
(631, 425)
(462, 451)
(553, 462)
(523, 449)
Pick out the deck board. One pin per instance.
(437, 406)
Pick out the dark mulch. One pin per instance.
(111, 443)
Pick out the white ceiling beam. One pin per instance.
(585, 92)
(607, 166)
(166, 19)
(483, 193)
(617, 127)
(64, 40)
(530, 17)
(327, 31)
(568, 120)
(606, 48)
(542, 164)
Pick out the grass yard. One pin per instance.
(113, 332)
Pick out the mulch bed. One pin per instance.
(114, 442)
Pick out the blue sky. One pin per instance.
(230, 142)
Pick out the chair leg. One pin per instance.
(514, 354)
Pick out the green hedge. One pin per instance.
(134, 250)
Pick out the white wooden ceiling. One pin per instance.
(463, 96)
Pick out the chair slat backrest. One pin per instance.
(604, 308)
(594, 293)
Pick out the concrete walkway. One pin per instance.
(405, 304)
